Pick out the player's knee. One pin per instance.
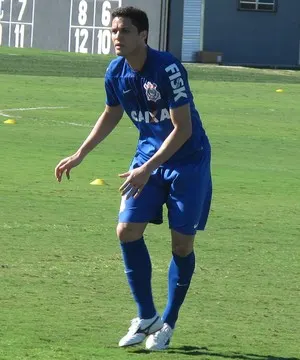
(127, 232)
(182, 250)
(182, 245)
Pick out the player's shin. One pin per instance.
(180, 274)
(138, 270)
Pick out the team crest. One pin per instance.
(151, 92)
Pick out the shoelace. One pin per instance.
(134, 324)
(163, 334)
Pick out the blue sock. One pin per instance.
(180, 274)
(138, 270)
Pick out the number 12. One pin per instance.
(81, 46)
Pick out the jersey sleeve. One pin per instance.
(111, 97)
(175, 84)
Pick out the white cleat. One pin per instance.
(140, 329)
(161, 339)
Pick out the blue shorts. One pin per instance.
(185, 189)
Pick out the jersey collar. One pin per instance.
(145, 66)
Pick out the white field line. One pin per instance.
(4, 111)
(73, 124)
(36, 108)
(44, 108)
(5, 115)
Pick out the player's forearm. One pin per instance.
(169, 147)
(103, 127)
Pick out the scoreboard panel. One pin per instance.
(90, 24)
(81, 26)
(16, 23)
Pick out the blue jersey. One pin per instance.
(148, 95)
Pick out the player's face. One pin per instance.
(126, 37)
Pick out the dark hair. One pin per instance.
(138, 17)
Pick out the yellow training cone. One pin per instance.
(279, 90)
(98, 182)
(10, 121)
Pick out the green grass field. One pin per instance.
(63, 292)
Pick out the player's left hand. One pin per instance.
(135, 182)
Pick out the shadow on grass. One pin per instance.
(204, 351)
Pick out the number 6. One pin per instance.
(1, 11)
(106, 13)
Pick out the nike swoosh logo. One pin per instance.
(147, 329)
(126, 91)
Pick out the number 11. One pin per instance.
(19, 33)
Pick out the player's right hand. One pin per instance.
(66, 165)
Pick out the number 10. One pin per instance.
(104, 41)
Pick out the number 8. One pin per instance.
(82, 16)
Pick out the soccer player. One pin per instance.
(171, 166)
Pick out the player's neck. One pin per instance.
(137, 59)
